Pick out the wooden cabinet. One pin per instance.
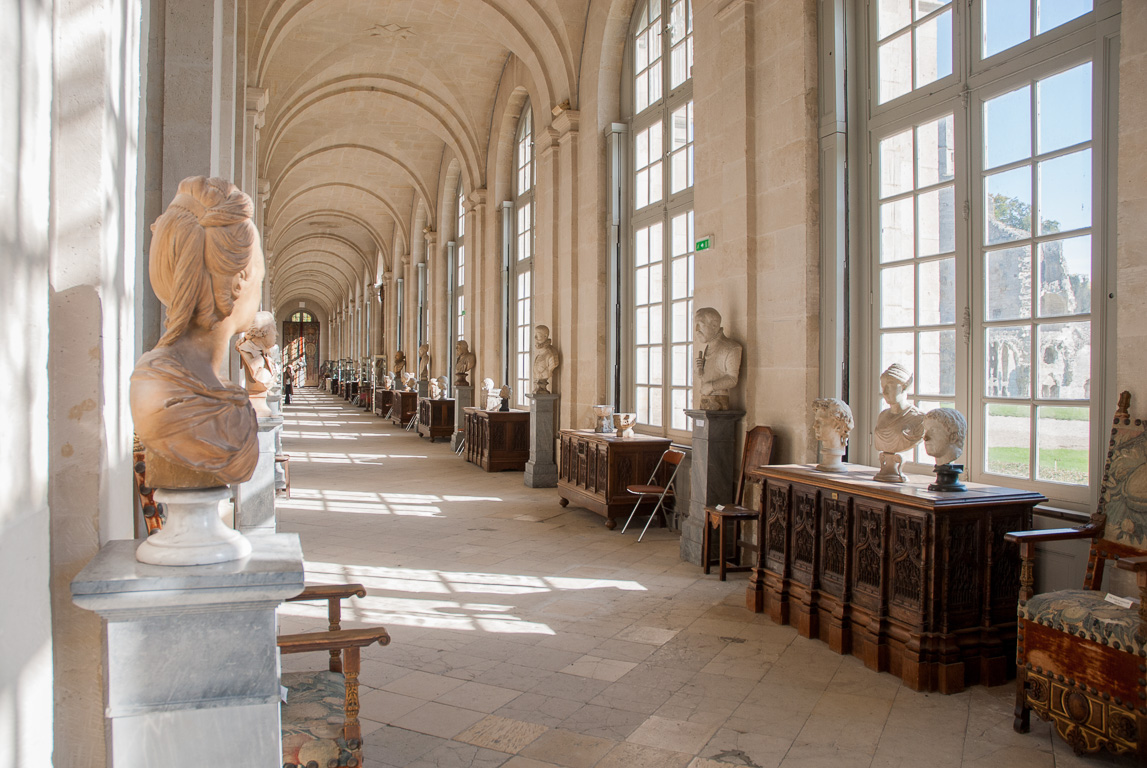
(498, 440)
(405, 407)
(435, 418)
(594, 468)
(383, 400)
(914, 582)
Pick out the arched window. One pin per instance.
(987, 227)
(302, 317)
(522, 269)
(459, 275)
(660, 267)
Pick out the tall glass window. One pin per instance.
(660, 292)
(460, 265)
(987, 226)
(522, 270)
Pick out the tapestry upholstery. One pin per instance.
(1124, 491)
(1085, 613)
(313, 719)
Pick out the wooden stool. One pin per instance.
(285, 460)
(716, 518)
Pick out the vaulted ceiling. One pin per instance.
(365, 103)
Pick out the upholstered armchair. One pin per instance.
(1082, 659)
(320, 717)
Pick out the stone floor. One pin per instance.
(526, 635)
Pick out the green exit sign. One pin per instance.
(705, 244)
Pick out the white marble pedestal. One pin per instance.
(191, 672)
(463, 399)
(541, 469)
(712, 474)
(255, 499)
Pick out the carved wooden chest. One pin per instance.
(594, 469)
(914, 582)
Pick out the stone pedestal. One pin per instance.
(541, 469)
(463, 399)
(423, 389)
(255, 499)
(191, 672)
(713, 474)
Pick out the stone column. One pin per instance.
(191, 670)
(255, 498)
(255, 116)
(463, 399)
(541, 469)
(713, 475)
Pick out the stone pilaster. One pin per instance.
(713, 474)
(541, 469)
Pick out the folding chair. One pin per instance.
(671, 457)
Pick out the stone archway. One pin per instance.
(300, 345)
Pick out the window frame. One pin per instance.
(1091, 37)
(670, 205)
(520, 346)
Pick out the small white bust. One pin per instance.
(899, 427)
(408, 380)
(440, 384)
(944, 432)
(831, 422)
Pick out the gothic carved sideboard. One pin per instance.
(405, 407)
(594, 469)
(383, 400)
(913, 582)
(436, 418)
(498, 440)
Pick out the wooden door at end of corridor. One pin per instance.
(301, 349)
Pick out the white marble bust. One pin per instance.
(546, 360)
(832, 423)
(945, 430)
(256, 347)
(718, 363)
(899, 427)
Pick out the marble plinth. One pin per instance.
(463, 399)
(191, 673)
(193, 534)
(541, 469)
(255, 499)
(713, 473)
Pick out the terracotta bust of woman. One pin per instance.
(207, 268)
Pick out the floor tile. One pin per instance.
(438, 720)
(675, 735)
(569, 749)
(502, 734)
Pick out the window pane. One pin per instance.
(895, 67)
(680, 403)
(655, 410)
(643, 405)
(936, 145)
(679, 172)
(655, 182)
(643, 366)
(1051, 13)
(937, 367)
(1007, 283)
(934, 49)
(896, 164)
(897, 297)
(641, 247)
(679, 228)
(680, 323)
(641, 92)
(680, 287)
(1065, 193)
(655, 82)
(1007, 206)
(1063, 444)
(656, 371)
(656, 323)
(1065, 277)
(937, 292)
(641, 322)
(925, 7)
(1065, 361)
(680, 365)
(1064, 108)
(936, 221)
(897, 348)
(1007, 128)
(1006, 23)
(892, 15)
(1008, 439)
(1009, 361)
(641, 189)
(897, 231)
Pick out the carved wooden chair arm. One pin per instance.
(334, 594)
(1027, 541)
(333, 641)
(1137, 564)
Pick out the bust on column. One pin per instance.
(718, 363)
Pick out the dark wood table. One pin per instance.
(498, 440)
(383, 400)
(914, 582)
(436, 418)
(405, 407)
(594, 468)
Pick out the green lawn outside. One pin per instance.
(1064, 465)
(1050, 412)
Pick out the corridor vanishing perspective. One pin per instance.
(526, 635)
